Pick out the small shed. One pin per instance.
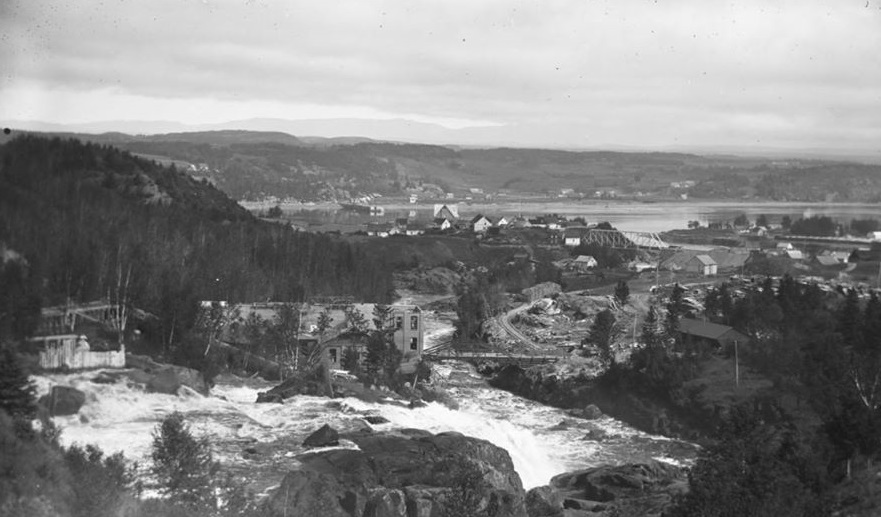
(713, 335)
(584, 262)
(701, 264)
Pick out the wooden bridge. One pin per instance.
(500, 357)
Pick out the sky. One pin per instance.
(650, 74)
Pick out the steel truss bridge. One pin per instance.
(624, 239)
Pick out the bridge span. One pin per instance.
(623, 239)
(503, 358)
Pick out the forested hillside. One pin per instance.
(89, 219)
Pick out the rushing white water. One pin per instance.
(119, 417)
(260, 441)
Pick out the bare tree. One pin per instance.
(118, 297)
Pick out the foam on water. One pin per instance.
(542, 441)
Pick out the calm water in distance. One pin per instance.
(633, 216)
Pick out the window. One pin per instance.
(332, 352)
(414, 322)
(399, 322)
(414, 343)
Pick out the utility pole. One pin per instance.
(736, 366)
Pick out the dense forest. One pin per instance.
(785, 450)
(84, 221)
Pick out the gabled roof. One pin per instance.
(705, 329)
(705, 260)
(575, 231)
(585, 258)
(827, 260)
(478, 217)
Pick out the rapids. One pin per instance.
(260, 441)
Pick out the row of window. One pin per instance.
(414, 322)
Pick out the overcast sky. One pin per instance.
(644, 73)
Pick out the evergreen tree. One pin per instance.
(381, 316)
(676, 308)
(602, 335)
(622, 292)
(324, 321)
(16, 390)
(355, 320)
(351, 361)
(183, 464)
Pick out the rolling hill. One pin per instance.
(254, 165)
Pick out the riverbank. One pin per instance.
(647, 413)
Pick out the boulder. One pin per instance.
(591, 412)
(104, 378)
(401, 474)
(596, 435)
(169, 379)
(384, 502)
(266, 396)
(326, 436)
(544, 501)
(416, 403)
(63, 400)
(163, 378)
(306, 492)
(634, 489)
(376, 419)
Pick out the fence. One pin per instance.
(81, 359)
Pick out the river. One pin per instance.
(260, 441)
(624, 215)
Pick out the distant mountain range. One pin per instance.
(351, 130)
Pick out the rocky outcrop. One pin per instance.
(163, 378)
(588, 398)
(63, 400)
(636, 489)
(326, 436)
(403, 474)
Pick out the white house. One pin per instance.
(702, 264)
(582, 262)
(442, 223)
(573, 235)
(448, 211)
(480, 224)
(795, 254)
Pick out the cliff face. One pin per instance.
(409, 473)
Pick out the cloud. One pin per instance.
(628, 71)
